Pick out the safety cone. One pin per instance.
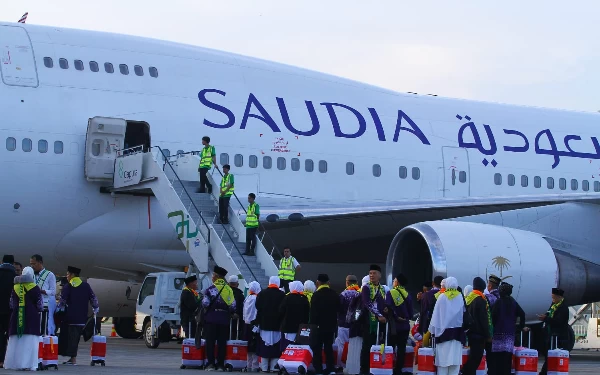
(113, 333)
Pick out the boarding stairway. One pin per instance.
(194, 216)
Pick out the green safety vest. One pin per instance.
(286, 269)
(224, 181)
(206, 157)
(251, 219)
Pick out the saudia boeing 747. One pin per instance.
(429, 185)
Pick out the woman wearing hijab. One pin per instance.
(355, 333)
(309, 289)
(26, 305)
(447, 328)
(504, 318)
(269, 322)
(295, 310)
(251, 326)
(468, 289)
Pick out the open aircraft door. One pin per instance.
(104, 137)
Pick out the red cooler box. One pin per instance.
(381, 357)
(345, 353)
(50, 356)
(558, 362)
(98, 350)
(237, 355)
(409, 360)
(526, 361)
(426, 365)
(190, 356)
(41, 354)
(296, 359)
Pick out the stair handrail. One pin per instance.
(199, 212)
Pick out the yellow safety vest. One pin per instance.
(286, 269)
(207, 157)
(251, 218)
(224, 181)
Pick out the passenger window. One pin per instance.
(498, 179)
(524, 181)
(124, 69)
(26, 144)
(349, 168)
(48, 63)
(322, 166)
(562, 184)
(267, 162)
(58, 147)
(96, 148)
(462, 176)
(224, 159)
(78, 65)
(537, 182)
(42, 146)
(147, 289)
(511, 180)
(550, 183)
(295, 164)
(585, 185)
(108, 68)
(403, 172)
(238, 160)
(281, 163)
(139, 71)
(11, 144)
(596, 186)
(94, 66)
(63, 63)
(416, 173)
(376, 170)
(574, 184)
(153, 72)
(253, 161)
(309, 165)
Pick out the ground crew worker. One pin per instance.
(226, 191)
(252, 216)
(208, 157)
(288, 266)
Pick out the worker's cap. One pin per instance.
(71, 269)
(374, 267)
(494, 279)
(233, 279)
(323, 278)
(220, 271)
(8, 259)
(191, 279)
(558, 292)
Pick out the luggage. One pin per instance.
(98, 349)
(381, 357)
(296, 359)
(345, 353)
(236, 355)
(409, 360)
(190, 355)
(41, 354)
(526, 359)
(50, 352)
(481, 370)
(426, 358)
(305, 334)
(558, 359)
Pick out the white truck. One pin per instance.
(157, 307)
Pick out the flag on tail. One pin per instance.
(24, 17)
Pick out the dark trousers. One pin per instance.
(490, 358)
(224, 209)
(323, 341)
(503, 363)
(216, 333)
(190, 329)
(4, 322)
(475, 355)
(204, 183)
(251, 240)
(73, 341)
(44, 324)
(285, 284)
(369, 339)
(400, 342)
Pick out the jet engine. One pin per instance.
(465, 250)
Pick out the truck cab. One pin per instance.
(157, 307)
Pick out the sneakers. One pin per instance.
(210, 368)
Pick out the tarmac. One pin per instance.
(132, 357)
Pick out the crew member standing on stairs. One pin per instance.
(252, 216)
(225, 194)
(208, 157)
(288, 266)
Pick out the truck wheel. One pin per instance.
(125, 328)
(150, 341)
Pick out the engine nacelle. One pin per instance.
(465, 250)
(116, 298)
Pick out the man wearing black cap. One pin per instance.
(480, 332)
(76, 295)
(556, 324)
(324, 307)
(400, 311)
(373, 299)
(219, 302)
(491, 292)
(428, 301)
(7, 279)
(189, 303)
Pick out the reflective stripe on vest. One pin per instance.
(207, 156)
(251, 219)
(224, 181)
(286, 269)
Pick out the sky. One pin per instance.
(538, 53)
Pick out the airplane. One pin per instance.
(347, 173)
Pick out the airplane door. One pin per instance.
(105, 136)
(456, 172)
(17, 62)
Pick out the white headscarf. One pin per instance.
(296, 286)
(447, 313)
(274, 280)
(27, 271)
(365, 280)
(250, 302)
(468, 289)
(309, 286)
(443, 284)
(26, 276)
